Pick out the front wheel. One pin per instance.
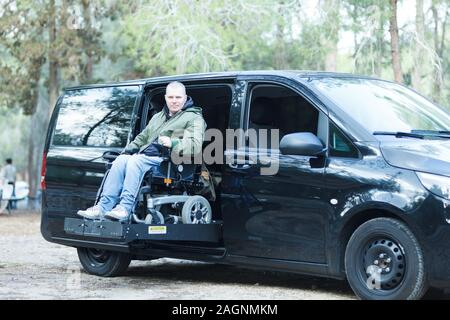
(384, 261)
(102, 262)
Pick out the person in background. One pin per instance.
(8, 174)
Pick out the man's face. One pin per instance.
(175, 99)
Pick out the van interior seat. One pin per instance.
(261, 114)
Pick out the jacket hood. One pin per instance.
(188, 106)
(432, 156)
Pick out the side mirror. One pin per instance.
(302, 144)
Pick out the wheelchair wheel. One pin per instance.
(196, 210)
(154, 217)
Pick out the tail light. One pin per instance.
(43, 170)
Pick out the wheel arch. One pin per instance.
(357, 219)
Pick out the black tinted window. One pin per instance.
(275, 107)
(95, 117)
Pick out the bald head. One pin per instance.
(175, 96)
(175, 85)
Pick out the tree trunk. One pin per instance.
(395, 46)
(439, 46)
(380, 47)
(38, 129)
(39, 120)
(87, 71)
(417, 72)
(333, 25)
(279, 57)
(53, 88)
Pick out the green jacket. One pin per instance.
(186, 130)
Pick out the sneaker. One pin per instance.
(118, 213)
(91, 213)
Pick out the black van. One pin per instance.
(361, 191)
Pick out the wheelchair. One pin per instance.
(173, 194)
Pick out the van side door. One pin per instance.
(279, 215)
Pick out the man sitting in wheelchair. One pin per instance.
(177, 130)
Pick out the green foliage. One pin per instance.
(105, 40)
(22, 50)
(14, 139)
(110, 40)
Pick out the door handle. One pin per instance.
(238, 166)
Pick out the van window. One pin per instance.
(340, 146)
(383, 106)
(277, 107)
(95, 117)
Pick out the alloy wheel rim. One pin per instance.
(199, 213)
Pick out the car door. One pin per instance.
(89, 122)
(278, 215)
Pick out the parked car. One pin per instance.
(6, 194)
(361, 191)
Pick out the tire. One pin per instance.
(196, 210)
(103, 263)
(384, 261)
(154, 217)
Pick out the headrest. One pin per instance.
(261, 111)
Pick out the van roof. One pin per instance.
(219, 75)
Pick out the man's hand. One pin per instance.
(165, 141)
(130, 151)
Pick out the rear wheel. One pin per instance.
(196, 210)
(383, 260)
(102, 262)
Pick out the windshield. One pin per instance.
(383, 106)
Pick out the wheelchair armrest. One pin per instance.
(110, 156)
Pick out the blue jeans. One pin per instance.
(124, 179)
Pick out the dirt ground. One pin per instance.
(32, 268)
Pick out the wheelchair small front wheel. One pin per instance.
(196, 210)
(154, 217)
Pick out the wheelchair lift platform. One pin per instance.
(107, 229)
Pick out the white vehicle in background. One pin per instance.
(6, 190)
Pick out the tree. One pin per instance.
(331, 31)
(182, 36)
(35, 34)
(368, 20)
(21, 34)
(439, 33)
(23, 54)
(417, 73)
(395, 45)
